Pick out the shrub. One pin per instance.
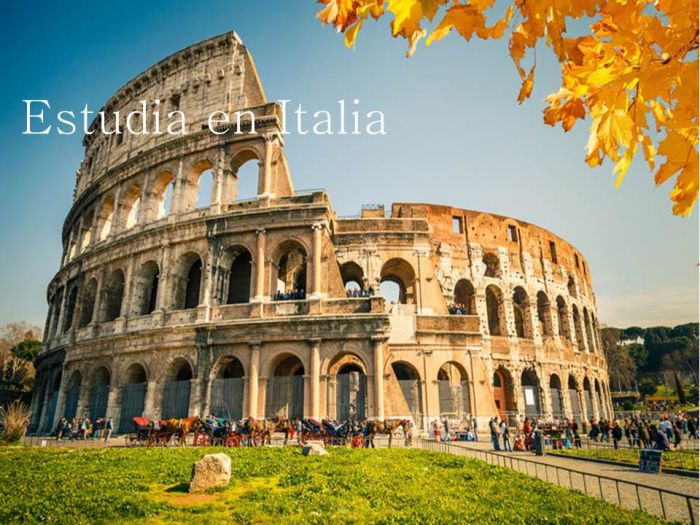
(14, 420)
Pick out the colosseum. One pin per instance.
(176, 297)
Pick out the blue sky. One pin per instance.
(455, 136)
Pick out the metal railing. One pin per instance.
(668, 504)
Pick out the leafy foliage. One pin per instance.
(279, 485)
(19, 343)
(637, 65)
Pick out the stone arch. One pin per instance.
(72, 395)
(177, 388)
(131, 206)
(106, 218)
(410, 386)
(453, 391)
(71, 301)
(100, 380)
(490, 265)
(188, 281)
(573, 398)
(557, 396)
(521, 313)
(285, 387)
(161, 196)
(349, 381)
(133, 395)
(503, 392)
(226, 395)
(465, 296)
(112, 296)
(87, 306)
(589, 332)
(193, 185)
(544, 314)
(289, 270)
(236, 275)
(495, 312)
(243, 163)
(532, 392)
(577, 328)
(145, 294)
(401, 273)
(353, 277)
(563, 317)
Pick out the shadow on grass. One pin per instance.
(179, 488)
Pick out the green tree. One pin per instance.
(646, 387)
(27, 349)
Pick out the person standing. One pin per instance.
(436, 430)
(493, 428)
(505, 433)
(446, 426)
(617, 434)
(109, 426)
(297, 429)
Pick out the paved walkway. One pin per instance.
(615, 484)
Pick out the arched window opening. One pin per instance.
(86, 230)
(163, 189)
(490, 265)
(464, 302)
(577, 327)
(87, 307)
(205, 186)
(598, 399)
(557, 399)
(353, 279)
(189, 282)
(176, 391)
(227, 390)
(112, 296)
(521, 313)
(106, 218)
(408, 379)
(99, 394)
(494, 310)
(453, 391)
(563, 317)
(544, 314)
(239, 279)
(350, 391)
(401, 274)
(571, 285)
(70, 308)
(132, 206)
(531, 393)
(133, 396)
(246, 179)
(285, 389)
(146, 288)
(503, 393)
(290, 278)
(588, 397)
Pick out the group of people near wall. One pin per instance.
(523, 437)
(83, 428)
(359, 292)
(644, 432)
(457, 309)
(446, 429)
(294, 295)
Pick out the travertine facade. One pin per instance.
(164, 308)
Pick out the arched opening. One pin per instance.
(571, 285)
(87, 308)
(573, 399)
(490, 265)
(544, 314)
(56, 310)
(285, 389)
(112, 296)
(227, 389)
(494, 310)
(400, 273)
(453, 391)
(503, 393)
(521, 313)
(531, 393)
(563, 317)
(131, 206)
(146, 288)
(70, 308)
(106, 218)
(86, 230)
(596, 333)
(70, 408)
(589, 332)
(409, 382)
(189, 282)
(290, 272)
(99, 394)
(351, 390)
(176, 391)
(588, 397)
(353, 279)
(557, 399)
(205, 187)
(238, 275)
(246, 176)
(577, 327)
(162, 195)
(133, 396)
(464, 302)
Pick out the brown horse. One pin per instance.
(182, 427)
(260, 431)
(388, 426)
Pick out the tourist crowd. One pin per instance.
(457, 309)
(83, 428)
(294, 295)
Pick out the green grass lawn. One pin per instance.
(274, 485)
(680, 459)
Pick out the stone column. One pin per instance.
(179, 189)
(113, 408)
(253, 379)
(62, 311)
(267, 167)
(149, 409)
(315, 377)
(116, 214)
(316, 251)
(260, 267)
(582, 405)
(195, 407)
(163, 280)
(378, 350)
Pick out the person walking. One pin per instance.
(436, 430)
(109, 427)
(297, 429)
(505, 434)
(493, 428)
(617, 434)
(446, 425)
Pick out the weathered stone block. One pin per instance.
(213, 470)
